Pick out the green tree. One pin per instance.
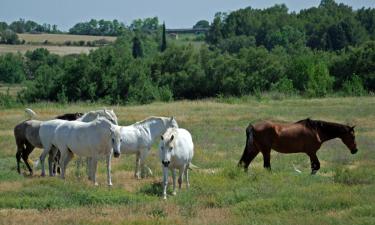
(137, 48)
(202, 24)
(11, 68)
(163, 40)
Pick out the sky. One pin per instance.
(175, 13)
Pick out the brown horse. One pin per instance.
(27, 138)
(305, 136)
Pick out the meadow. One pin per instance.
(342, 192)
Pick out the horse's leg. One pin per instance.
(42, 157)
(143, 157)
(109, 178)
(315, 164)
(180, 174)
(186, 172)
(25, 156)
(64, 153)
(137, 173)
(51, 158)
(68, 156)
(174, 181)
(94, 165)
(267, 159)
(18, 157)
(165, 181)
(55, 163)
(89, 168)
(252, 154)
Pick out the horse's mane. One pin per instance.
(171, 131)
(324, 125)
(138, 123)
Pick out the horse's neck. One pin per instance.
(154, 128)
(329, 131)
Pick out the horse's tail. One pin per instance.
(250, 134)
(30, 113)
(249, 142)
(192, 166)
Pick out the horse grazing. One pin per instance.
(176, 151)
(92, 139)
(138, 138)
(27, 138)
(304, 136)
(47, 132)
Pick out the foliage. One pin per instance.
(101, 27)
(9, 37)
(312, 53)
(11, 68)
(163, 45)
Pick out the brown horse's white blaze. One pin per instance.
(304, 136)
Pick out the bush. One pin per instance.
(7, 101)
(353, 87)
(284, 85)
(11, 68)
(320, 82)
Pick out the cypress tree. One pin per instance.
(163, 40)
(137, 48)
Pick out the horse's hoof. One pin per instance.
(42, 175)
(110, 185)
(165, 198)
(96, 184)
(313, 172)
(174, 193)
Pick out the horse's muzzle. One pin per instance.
(353, 151)
(116, 154)
(165, 163)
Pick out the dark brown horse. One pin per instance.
(27, 138)
(305, 136)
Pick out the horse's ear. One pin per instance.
(172, 118)
(162, 138)
(352, 128)
(172, 137)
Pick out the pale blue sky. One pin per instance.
(175, 13)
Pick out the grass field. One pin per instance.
(342, 192)
(55, 43)
(61, 38)
(59, 50)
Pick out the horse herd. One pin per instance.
(96, 134)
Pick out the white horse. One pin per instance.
(176, 151)
(92, 139)
(138, 138)
(47, 132)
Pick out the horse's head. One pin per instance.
(111, 116)
(348, 137)
(116, 140)
(166, 148)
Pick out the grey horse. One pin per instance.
(27, 138)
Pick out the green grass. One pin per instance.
(342, 192)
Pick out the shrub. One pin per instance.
(284, 85)
(353, 86)
(320, 82)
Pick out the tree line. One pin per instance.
(272, 53)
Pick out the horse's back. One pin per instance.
(285, 137)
